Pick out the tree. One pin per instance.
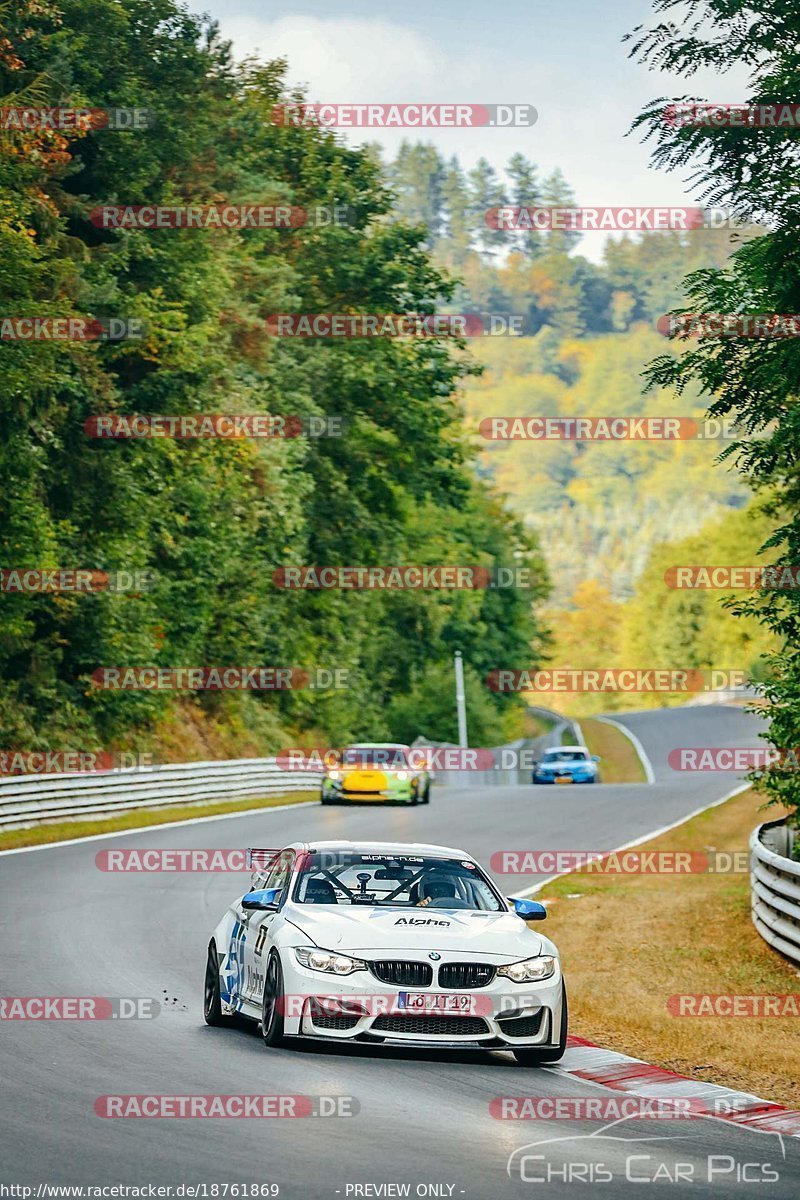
(524, 194)
(211, 520)
(486, 192)
(416, 177)
(751, 172)
(556, 193)
(458, 227)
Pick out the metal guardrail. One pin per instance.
(34, 799)
(31, 799)
(775, 888)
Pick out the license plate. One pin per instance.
(449, 1002)
(563, 779)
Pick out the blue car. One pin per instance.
(567, 764)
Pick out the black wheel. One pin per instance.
(426, 797)
(272, 1005)
(414, 798)
(324, 797)
(535, 1056)
(212, 1001)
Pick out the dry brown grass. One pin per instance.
(629, 942)
(620, 762)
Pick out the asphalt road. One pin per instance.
(70, 929)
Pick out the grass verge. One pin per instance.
(621, 763)
(630, 942)
(537, 726)
(39, 835)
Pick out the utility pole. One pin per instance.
(460, 702)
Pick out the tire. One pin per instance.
(212, 1000)
(426, 797)
(271, 1017)
(324, 798)
(414, 798)
(536, 1056)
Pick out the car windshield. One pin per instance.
(376, 756)
(395, 881)
(565, 756)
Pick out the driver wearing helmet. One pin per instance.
(436, 886)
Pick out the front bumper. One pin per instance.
(400, 790)
(361, 1008)
(568, 776)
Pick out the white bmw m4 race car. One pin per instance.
(383, 943)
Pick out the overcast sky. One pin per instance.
(567, 59)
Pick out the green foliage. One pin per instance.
(673, 627)
(212, 520)
(756, 382)
(428, 711)
(598, 508)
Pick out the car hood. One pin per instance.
(366, 930)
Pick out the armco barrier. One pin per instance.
(775, 888)
(31, 799)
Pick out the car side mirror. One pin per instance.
(267, 899)
(595, 758)
(528, 910)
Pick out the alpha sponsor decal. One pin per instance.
(420, 921)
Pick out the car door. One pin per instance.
(232, 966)
(260, 926)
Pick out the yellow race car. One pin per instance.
(382, 771)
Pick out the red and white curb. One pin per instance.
(608, 1068)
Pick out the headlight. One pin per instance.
(402, 774)
(333, 774)
(330, 963)
(530, 969)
